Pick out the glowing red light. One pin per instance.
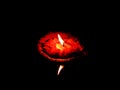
(59, 46)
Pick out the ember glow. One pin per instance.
(59, 46)
(59, 69)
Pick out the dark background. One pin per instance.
(25, 24)
(29, 67)
(32, 67)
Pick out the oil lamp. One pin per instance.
(59, 47)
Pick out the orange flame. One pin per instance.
(59, 69)
(60, 40)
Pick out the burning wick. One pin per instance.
(59, 69)
(60, 46)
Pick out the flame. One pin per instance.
(59, 69)
(60, 40)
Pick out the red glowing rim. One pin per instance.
(47, 49)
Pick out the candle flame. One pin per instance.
(59, 69)
(60, 40)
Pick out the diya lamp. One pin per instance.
(59, 47)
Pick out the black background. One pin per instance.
(35, 68)
(29, 67)
(25, 23)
